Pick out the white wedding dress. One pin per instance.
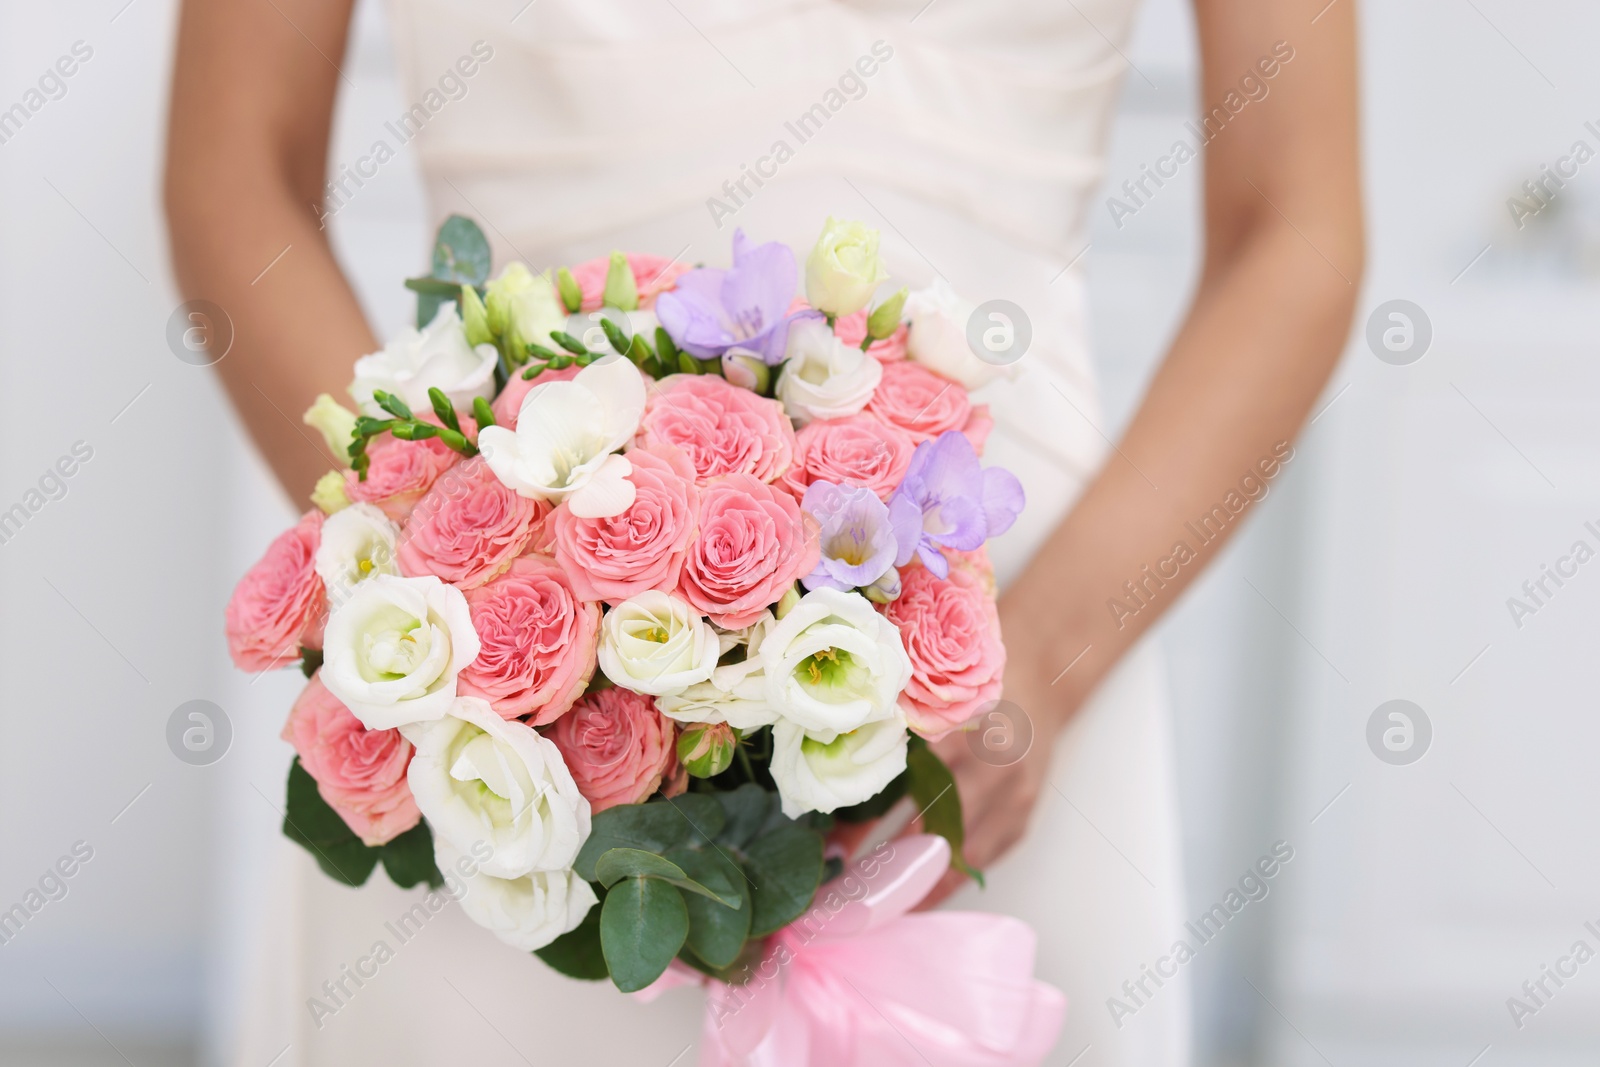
(974, 144)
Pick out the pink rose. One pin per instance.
(722, 428)
(852, 328)
(924, 405)
(537, 641)
(361, 773)
(652, 276)
(468, 528)
(753, 543)
(508, 405)
(951, 630)
(402, 471)
(617, 746)
(859, 450)
(643, 548)
(279, 603)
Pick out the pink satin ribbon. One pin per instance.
(862, 981)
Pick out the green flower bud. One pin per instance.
(475, 317)
(334, 421)
(329, 495)
(571, 292)
(522, 307)
(788, 601)
(621, 291)
(746, 370)
(885, 318)
(706, 749)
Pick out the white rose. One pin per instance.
(358, 542)
(393, 649)
(843, 269)
(478, 777)
(824, 378)
(819, 774)
(937, 337)
(832, 663)
(737, 692)
(657, 644)
(566, 441)
(526, 913)
(438, 357)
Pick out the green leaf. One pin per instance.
(408, 859)
(716, 933)
(643, 924)
(577, 953)
(308, 821)
(702, 815)
(648, 827)
(434, 286)
(461, 252)
(745, 810)
(785, 868)
(310, 660)
(620, 863)
(621, 291)
(428, 305)
(933, 790)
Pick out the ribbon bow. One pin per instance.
(862, 981)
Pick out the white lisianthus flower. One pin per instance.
(833, 664)
(822, 773)
(521, 306)
(566, 441)
(358, 542)
(824, 378)
(478, 777)
(937, 337)
(657, 644)
(843, 269)
(526, 913)
(737, 692)
(436, 357)
(392, 650)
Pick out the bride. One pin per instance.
(973, 136)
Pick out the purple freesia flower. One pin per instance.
(863, 539)
(962, 504)
(746, 305)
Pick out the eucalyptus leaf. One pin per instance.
(620, 863)
(785, 868)
(933, 790)
(745, 809)
(701, 813)
(648, 827)
(309, 822)
(408, 859)
(461, 252)
(643, 924)
(716, 933)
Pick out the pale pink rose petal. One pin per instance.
(361, 773)
(860, 450)
(951, 630)
(720, 427)
(468, 528)
(617, 746)
(280, 603)
(753, 543)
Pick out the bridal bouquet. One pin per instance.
(636, 578)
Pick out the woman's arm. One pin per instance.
(1283, 262)
(252, 104)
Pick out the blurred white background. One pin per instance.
(1420, 898)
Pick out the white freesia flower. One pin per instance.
(526, 913)
(843, 269)
(833, 664)
(937, 337)
(478, 777)
(437, 357)
(358, 542)
(824, 378)
(567, 437)
(819, 774)
(656, 643)
(393, 648)
(737, 692)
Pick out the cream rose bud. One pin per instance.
(823, 378)
(393, 648)
(822, 773)
(832, 664)
(937, 337)
(736, 693)
(478, 777)
(436, 357)
(843, 269)
(526, 913)
(656, 644)
(358, 543)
